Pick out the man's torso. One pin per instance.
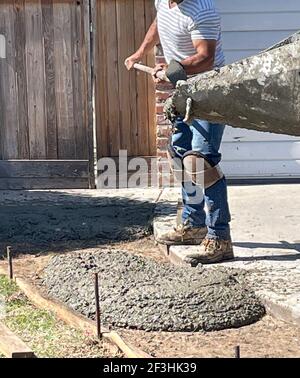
(175, 25)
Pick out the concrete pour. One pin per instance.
(39, 220)
(257, 93)
(142, 294)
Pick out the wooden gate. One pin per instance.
(125, 101)
(45, 95)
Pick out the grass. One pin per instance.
(42, 332)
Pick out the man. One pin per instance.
(190, 33)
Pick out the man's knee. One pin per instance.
(201, 170)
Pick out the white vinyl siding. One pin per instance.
(248, 28)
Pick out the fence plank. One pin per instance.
(63, 80)
(20, 45)
(141, 81)
(78, 81)
(111, 67)
(48, 35)
(101, 103)
(9, 88)
(150, 16)
(125, 33)
(35, 79)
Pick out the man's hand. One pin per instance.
(131, 60)
(157, 68)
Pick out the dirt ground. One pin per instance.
(267, 338)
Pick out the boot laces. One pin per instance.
(182, 229)
(209, 242)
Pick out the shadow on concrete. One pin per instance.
(278, 257)
(65, 221)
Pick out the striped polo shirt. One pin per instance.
(188, 21)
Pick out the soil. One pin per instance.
(267, 338)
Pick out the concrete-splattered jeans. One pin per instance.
(203, 137)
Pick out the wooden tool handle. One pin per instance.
(160, 74)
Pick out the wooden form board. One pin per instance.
(124, 101)
(12, 346)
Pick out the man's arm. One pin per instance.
(203, 60)
(151, 40)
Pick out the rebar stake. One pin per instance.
(10, 262)
(237, 352)
(98, 319)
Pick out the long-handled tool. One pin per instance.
(174, 73)
(160, 74)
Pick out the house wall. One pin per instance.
(248, 27)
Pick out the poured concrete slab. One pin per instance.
(42, 221)
(266, 236)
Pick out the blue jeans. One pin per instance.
(203, 137)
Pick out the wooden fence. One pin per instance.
(44, 94)
(46, 114)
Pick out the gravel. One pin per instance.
(139, 293)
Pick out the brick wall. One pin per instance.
(163, 91)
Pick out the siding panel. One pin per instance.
(248, 28)
(237, 6)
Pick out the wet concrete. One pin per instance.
(258, 93)
(43, 223)
(142, 294)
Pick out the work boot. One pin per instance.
(183, 234)
(212, 251)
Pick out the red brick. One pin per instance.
(161, 120)
(163, 95)
(159, 108)
(162, 155)
(164, 131)
(162, 142)
(163, 86)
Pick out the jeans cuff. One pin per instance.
(218, 234)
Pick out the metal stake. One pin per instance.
(237, 352)
(98, 319)
(10, 262)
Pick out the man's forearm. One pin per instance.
(151, 39)
(198, 63)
